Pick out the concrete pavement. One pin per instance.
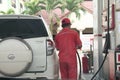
(87, 76)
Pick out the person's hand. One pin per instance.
(79, 47)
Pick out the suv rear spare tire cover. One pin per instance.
(15, 56)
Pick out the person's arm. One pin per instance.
(78, 42)
(56, 43)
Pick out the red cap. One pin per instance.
(66, 21)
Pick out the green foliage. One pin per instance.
(9, 11)
(50, 5)
(32, 7)
(73, 6)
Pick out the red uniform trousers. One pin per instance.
(68, 69)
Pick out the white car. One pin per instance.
(26, 48)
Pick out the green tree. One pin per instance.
(32, 7)
(9, 11)
(73, 6)
(49, 6)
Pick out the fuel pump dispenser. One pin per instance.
(117, 64)
(117, 40)
(111, 57)
(85, 64)
(107, 41)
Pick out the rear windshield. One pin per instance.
(23, 28)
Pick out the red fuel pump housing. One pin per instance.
(85, 64)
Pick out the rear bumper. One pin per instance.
(52, 71)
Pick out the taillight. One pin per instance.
(50, 47)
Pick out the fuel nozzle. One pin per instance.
(107, 44)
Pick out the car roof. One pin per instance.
(19, 16)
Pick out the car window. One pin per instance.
(24, 28)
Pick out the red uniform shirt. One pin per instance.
(67, 41)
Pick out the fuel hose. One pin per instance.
(79, 76)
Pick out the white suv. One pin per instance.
(26, 48)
